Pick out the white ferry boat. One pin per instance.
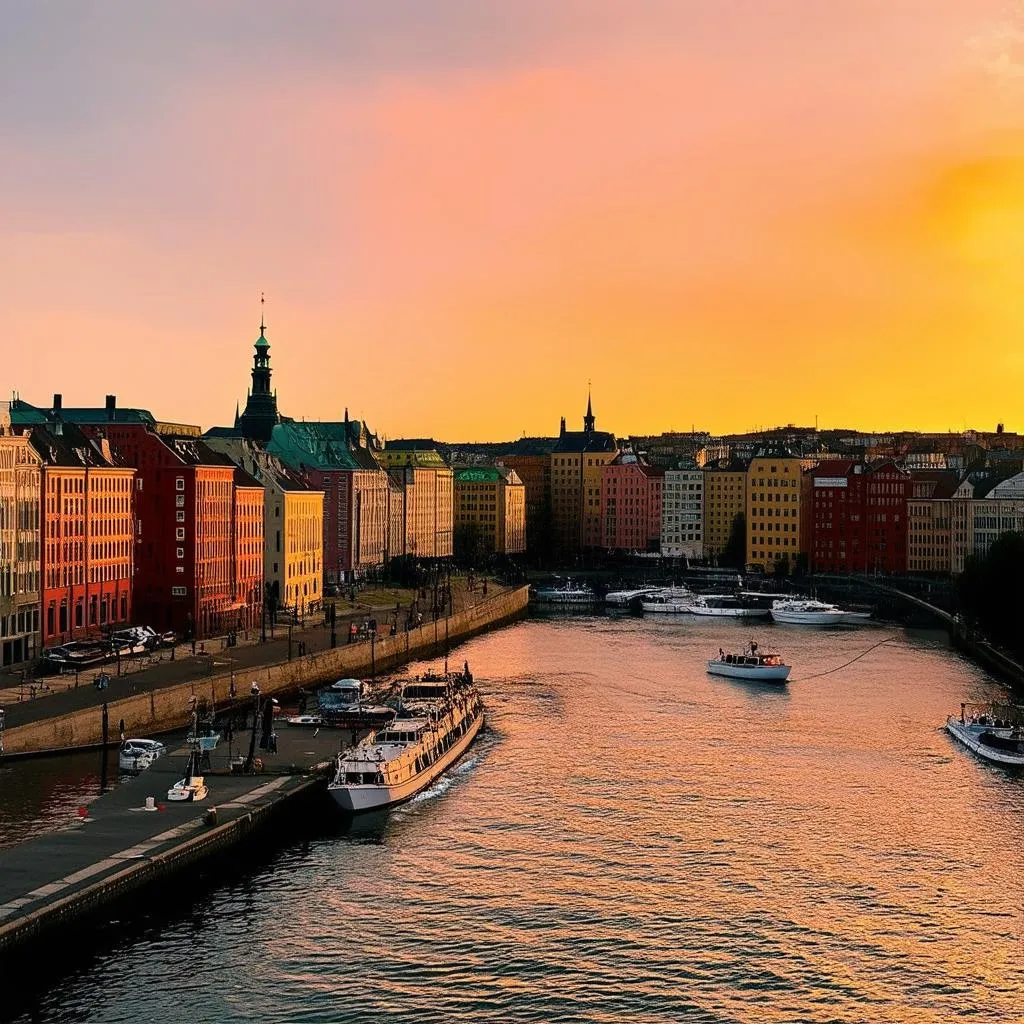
(806, 612)
(725, 606)
(566, 594)
(668, 601)
(992, 738)
(438, 721)
(752, 664)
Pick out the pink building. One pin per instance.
(631, 505)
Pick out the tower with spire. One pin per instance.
(260, 415)
(588, 420)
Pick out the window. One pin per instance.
(179, 516)
(179, 533)
(138, 483)
(179, 591)
(179, 500)
(179, 483)
(181, 569)
(180, 552)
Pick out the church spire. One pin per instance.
(588, 420)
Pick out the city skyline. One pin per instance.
(748, 215)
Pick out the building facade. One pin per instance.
(576, 463)
(20, 565)
(983, 509)
(88, 534)
(428, 496)
(682, 511)
(535, 472)
(293, 561)
(631, 497)
(773, 509)
(930, 521)
(490, 501)
(725, 497)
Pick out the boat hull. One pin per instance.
(666, 608)
(357, 798)
(751, 673)
(971, 740)
(808, 618)
(729, 613)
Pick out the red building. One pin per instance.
(248, 553)
(631, 495)
(88, 534)
(185, 519)
(857, 519)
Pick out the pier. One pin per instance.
(118, 846)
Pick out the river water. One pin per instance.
(633, 841)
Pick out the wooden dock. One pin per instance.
(118, 846)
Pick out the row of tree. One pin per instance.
(990, 595)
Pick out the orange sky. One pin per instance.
(727, 213)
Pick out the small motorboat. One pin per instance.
(136, 755)
(725, 606)
(990, 736)
(668, 601)
(192, 786)
(752, 664)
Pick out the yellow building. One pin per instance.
(930, 521)
(774, 500)
(428, 496)
(725, 497)
(293, 525)
(576, 463)
(20, 492)
(490, 502)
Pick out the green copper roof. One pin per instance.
(261, 341)
(478, 475)
(312, 445)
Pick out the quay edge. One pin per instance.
(167, 708)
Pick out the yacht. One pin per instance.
(806, 611)
(342, 707)
(564, 594)
(725, 606)
(752, 664)
(436, 723)
(668, 601)
(989, 736)
(137, 755)
(192, 786)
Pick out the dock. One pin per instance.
(118, 846)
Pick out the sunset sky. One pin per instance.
(728, 213)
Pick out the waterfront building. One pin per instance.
(490, 503)
(260, 416)
(725, 497)
(929, 521)
(338, 460)
(984, 508)
(428, 496)
(576, 462)
(534, 469)
(857, 519)
(293, 517)
(185, 550)
(249, 542)
(682, 511)
(88, 533)
(773, 508)
(20, 568)
(631, 504)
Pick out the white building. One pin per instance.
(682, 511)
(980, 515)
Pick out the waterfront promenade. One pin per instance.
(158, 698)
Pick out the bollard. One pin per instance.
(211, 816)
(150, 804)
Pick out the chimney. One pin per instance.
(57, 400)
(561, 429)
(111, 406)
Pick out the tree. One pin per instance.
(989, 592)
(734, 554)
(781, 566)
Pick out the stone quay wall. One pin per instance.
(168, 708)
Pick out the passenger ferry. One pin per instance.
(990, 736)
(566, 594)
(752, 664)
(438, 720)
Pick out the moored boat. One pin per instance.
(136, 755)
(193, 785)
(752, 664)
(668, 601)
(341, 706)
(437, 723)
(725, 606)
(806, 612)
(990, 736)
(624, 598)
(564, 594)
